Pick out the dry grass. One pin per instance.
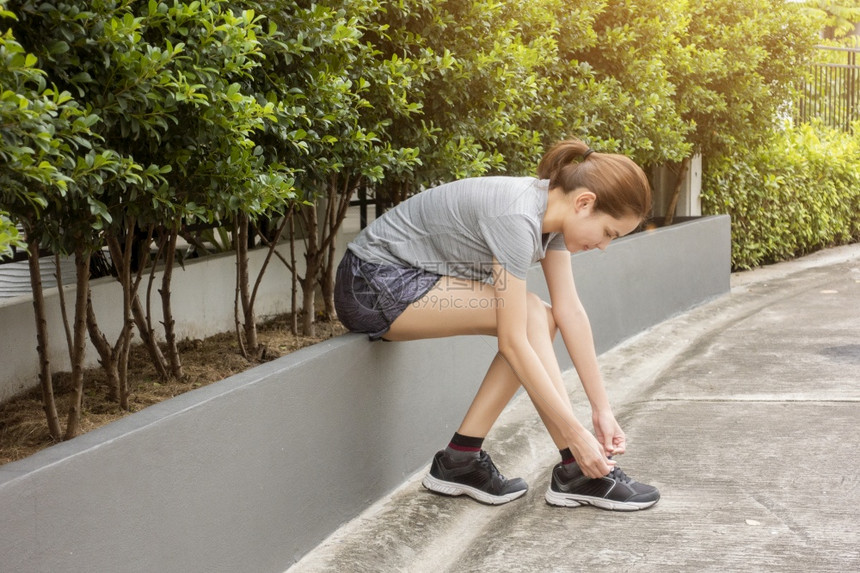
(24, 431)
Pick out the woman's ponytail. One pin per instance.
(620, 185)
(560, 155)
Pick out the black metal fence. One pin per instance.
(832, 92)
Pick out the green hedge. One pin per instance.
(125, 108)
(175, 112)
(197, 111)
(798, 193)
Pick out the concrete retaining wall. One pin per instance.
(202, 300)
(250, 473)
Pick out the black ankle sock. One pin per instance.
(461, 445)
(566, 456)
(466, 443)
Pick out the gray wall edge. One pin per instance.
(247, 474)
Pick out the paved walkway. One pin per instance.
(744, 412)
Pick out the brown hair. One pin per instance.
(620, 185)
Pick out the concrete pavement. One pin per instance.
(744, 412)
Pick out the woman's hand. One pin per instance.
(590, 457)
(609, 433)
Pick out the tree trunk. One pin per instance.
(45, 380)
(249, 323)
(309, 284)
(104, 350)
(79, 345)
(290, 220)
(123, 346)
(120, 351)
(327, 284)
(249, 314)
(147, 336)
(294, 279)
(143, 319)
(61, 296)
(676, 193)
(166, 308)
(313, 256)
(122, 362)
(237, 322)
(326, 278)
(338, 203)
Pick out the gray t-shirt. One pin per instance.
(457, 229)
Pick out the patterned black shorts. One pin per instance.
(368, 297)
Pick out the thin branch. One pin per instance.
(272, 248)
(162, 244)
(58, 274)
(238, 323)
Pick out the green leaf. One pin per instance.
(58, 47)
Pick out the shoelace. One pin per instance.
(619, 474)
(485, 461)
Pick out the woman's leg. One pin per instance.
(501, 382)
(455, 307)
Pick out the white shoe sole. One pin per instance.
(451, 488)
(573, 500)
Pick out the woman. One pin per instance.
(452, 260)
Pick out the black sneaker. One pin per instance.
(570, 488)
(476, 477)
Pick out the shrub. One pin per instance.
(9, 236)
(797, 193)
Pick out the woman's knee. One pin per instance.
(540, 311)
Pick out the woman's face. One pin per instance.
(586, 228)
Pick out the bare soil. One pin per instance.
(24, 431)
